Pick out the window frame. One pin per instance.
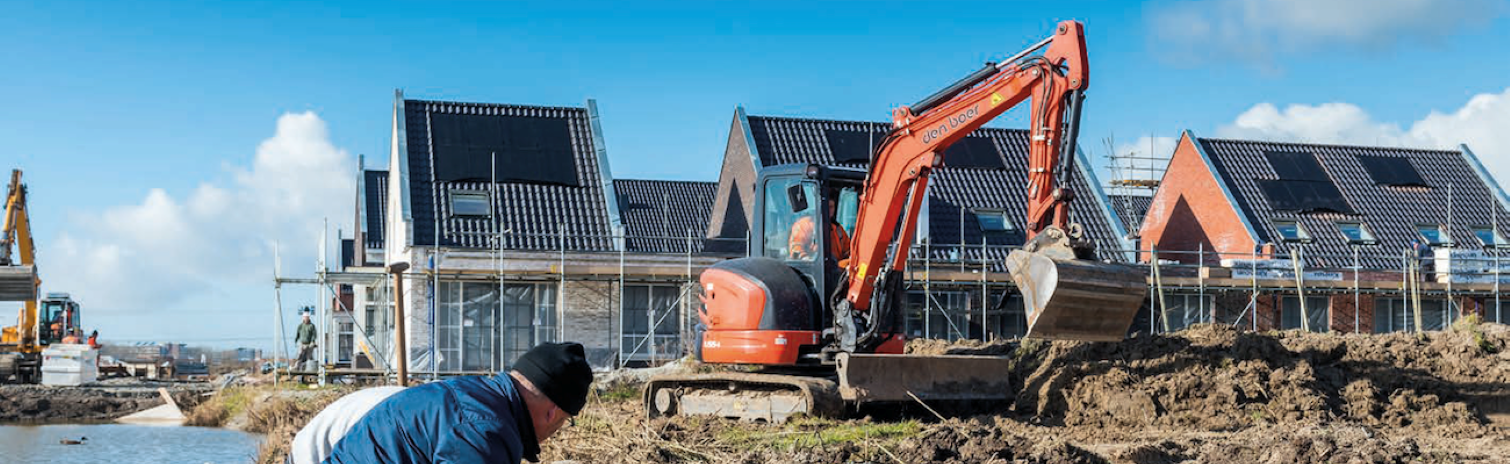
(471, 195)
(1365, 236)
(1302, 235)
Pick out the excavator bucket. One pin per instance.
(1075, 299)
(18, 283)
(888, 378)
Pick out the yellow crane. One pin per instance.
(21, 345)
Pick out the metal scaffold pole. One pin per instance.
(927, 290)
(1253, 280)
(1300, 290)
(278, 352)
(984, 294)
(1356, 301)
(1200, 259)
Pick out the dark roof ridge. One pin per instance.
(496, 105)
(1331, 145)
(848, 121)
(669, 180)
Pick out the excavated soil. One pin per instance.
(1210, 394)
(1215, 378)
(97, 403)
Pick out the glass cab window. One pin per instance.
(848, 209)
(57, 318)
(791, 220)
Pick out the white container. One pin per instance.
(70, 365)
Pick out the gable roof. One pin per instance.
(374, 207)
(541, 202)
(658, 214)
(955, 192)
(1389, 213)
(1130, 209)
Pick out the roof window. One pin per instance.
(1291, 231)
(993, 220)
(1434, 234)
(1488, 237)
(1356, 233)
(465, 203)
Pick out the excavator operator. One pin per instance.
(802, 243)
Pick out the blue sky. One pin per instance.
(119, 108)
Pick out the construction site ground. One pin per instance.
(1208, 394)
(101, 402)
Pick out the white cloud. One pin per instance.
(1142, 159)
(217, 240)
(1481, 124)
(1258, 30)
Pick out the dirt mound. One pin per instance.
(929, 346)
(1217, 378)
(972, 442)
(44, 404)
(1275, 445)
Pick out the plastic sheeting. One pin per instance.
(1398, 315)
(1185, 310)
(480, 326)
(1316, 310)
(647, 306)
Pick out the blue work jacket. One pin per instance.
(461, 420)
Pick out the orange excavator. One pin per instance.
(826, 328)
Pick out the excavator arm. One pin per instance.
(1054, 84)
(895, 189)
(18, 278)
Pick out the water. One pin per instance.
(121, 443)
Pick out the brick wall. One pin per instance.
(1343, 313)
(1268, 312)
(588, 317)
(1190, 212)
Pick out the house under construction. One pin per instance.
(515, 232)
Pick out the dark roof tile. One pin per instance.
(533, 216)
(1390, 213)
(375, 199)
(656, 212)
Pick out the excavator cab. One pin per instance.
(59, 316)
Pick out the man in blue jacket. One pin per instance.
(502, 418)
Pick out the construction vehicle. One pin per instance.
(825, 328)
(42, 321)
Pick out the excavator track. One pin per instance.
(745, 396)
(858, 379)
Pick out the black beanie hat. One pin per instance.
(560, 371)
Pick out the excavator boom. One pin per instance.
(1054, 83)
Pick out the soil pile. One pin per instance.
(933, 347)
(42, 404)
(1216, 378)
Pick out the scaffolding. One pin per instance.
(956, 291)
